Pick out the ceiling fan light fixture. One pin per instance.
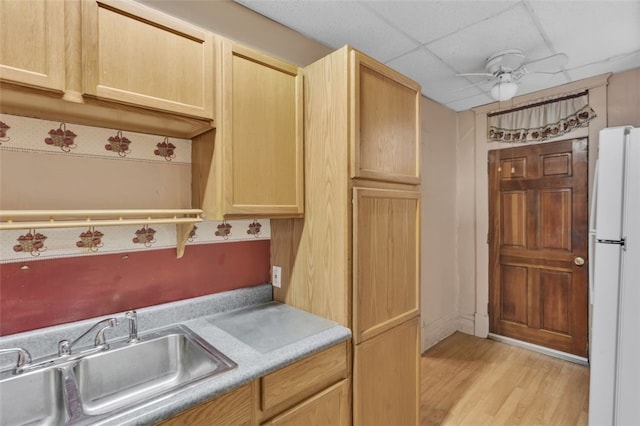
(503, 90)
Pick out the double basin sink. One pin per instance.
(106, 384)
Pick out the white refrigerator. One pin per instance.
(614, 392)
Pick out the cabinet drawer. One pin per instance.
(328, 408)
(290, 385)
(229, 409)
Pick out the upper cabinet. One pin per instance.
(386, 131)
(137, 56)
(32, 44)
(257, 147)
(108, 63)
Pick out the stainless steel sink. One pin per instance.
(83, 390)
(163, 362)
(34, 398)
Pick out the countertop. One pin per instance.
(258, 334)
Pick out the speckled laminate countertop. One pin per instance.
(260, 335)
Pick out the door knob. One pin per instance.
(578, 261)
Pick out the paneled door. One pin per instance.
(538, 244)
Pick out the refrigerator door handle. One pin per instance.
(618, 242)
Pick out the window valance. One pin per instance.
(542, 120)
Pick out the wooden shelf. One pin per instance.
(184, 219)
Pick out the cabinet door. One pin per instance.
(290, 385)
(386, 126)
(327, 408)
(230, 409)
(386, 257)
(261, 134)
(135, 55)
(386, 378)
(32, 43)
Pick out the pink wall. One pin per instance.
(57, 291)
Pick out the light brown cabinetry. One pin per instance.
(107, 63)
(282, 389)
(312, 392)
(137, 56)
(355, 256)
(328, 408)
(231, 409)
(32, 44)
(257, 149)
(385, 259)
(386, 377)
(385, 131)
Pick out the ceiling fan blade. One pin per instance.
(551, 64)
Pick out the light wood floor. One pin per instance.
(471, 381)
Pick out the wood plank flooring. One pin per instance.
(471, 381)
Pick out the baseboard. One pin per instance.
(466, 324)
(438, 330)
(540, 349)
(481, 325)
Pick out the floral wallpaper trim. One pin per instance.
(28, 134)
(31, 245)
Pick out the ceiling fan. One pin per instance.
(507, 67)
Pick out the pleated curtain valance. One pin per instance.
(541, 120)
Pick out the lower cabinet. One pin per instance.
(231, 409)
(327, 408)
(386, 378)
(314, 391)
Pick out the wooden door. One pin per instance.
(385, 259)
(538, 244)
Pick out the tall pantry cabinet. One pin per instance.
(354, 257)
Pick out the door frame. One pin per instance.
(472, 155)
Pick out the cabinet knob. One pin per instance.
(578, 261)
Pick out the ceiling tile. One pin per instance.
(336, 23)
(465, 104)
(468, 49)
(430, 20)
(621, 64)
(592, 31)
(435, 77)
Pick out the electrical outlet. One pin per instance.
(276, 276)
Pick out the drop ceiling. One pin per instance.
(432, 41)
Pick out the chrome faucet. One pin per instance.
(24, 358)
(100, 341)
(132, 316)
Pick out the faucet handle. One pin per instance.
(24, 358)
(132, 316)
(100, 340)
